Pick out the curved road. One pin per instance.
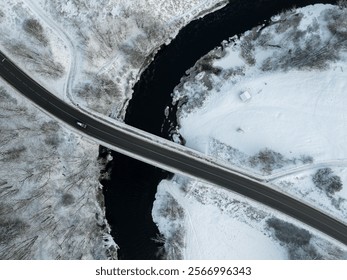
(184, 162)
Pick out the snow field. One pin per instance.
(289, 112)
(293, 125)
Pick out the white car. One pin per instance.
(81, 124)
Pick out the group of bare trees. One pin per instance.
(300, 243)
(311, 50)
(99, 92)
(297, 240)
(342, 4)
(303, 49)
(117, 42)
(48, 188)
(172, 243)
(325, 180)
(34, 50)
(38, 59)
(268, 160)
(34, 28)
(2, 15)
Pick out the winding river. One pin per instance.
(130, 194)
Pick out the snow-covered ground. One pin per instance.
(200, 221)
(292, 131)
(98, 48)
(51, 202)
(34, 45)
(89, 53)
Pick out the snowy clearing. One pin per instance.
(290, 129)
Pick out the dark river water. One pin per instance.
(130, 194)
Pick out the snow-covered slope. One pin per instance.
(98, 48)
(51, 203)
(35, 46)
(292, 130)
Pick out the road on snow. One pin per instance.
(116, 137)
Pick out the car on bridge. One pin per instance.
(81, 124)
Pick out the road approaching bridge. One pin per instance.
(167, 155)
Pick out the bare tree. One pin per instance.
(325, 180)
(342, 4)
(2, 15)
(35, 29)
(289, 233)
(41, 180)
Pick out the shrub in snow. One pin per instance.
(312, 50)
(247, 47)
(2, 15)
(305, 159)
(300, 244)
(67, 199)
(12, 154)
(337, 202)
(267, 64)
(35, 29)
(289, 233)
(99, 88)
(342, 4)
(5, 97)
(10, 229)
(173, 233)
(53, 140)
(325, 180)
(267, 160)
(40, 59)
(337, 25)
(172, 210)
(174, 244)
(288, 19)
(305, 252)
(313, 54)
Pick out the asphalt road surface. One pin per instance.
(184, 162)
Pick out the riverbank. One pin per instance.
(152, 94)
(270, 103)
